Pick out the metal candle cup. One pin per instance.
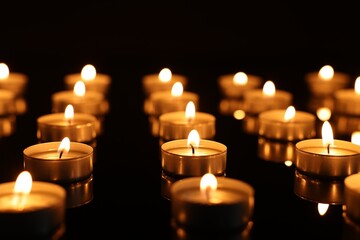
(16, 83)
(352, 197)
(42, 217)
(347, 101)
(230, 207)
(313, 158)
(101, 83)
(322, 87)
(231, 90)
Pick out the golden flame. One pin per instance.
(323, 113)
(4, 71)
(357, 85)
(193, 138)
(289, 113)
(177, 89)
(288, 163)
(322, 208)
(64, 146)
(23, 183)
(79, 88)
(240, 78)
(269, 88)
(69, 112)
(327, 134)
(326, 72)
(165, 75)
(355, 137)
(208, 183)
(190, 110)
(88, 72)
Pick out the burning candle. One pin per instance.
(209, 203)
(31, 209)
(326, 81)
(347, 101)
(234, 85)
(288, 125)
(352, 197)
(66, 163)
(183, 158)
(93, 80)
(177, 125)
(327, 157)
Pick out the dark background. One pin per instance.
(199, 39)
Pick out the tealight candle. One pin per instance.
(259, 100)
(234, 85)
(94, 81)
(177, 125)
(7, 113)
(31, 209)
(326, 81)
(327, 157)
(347, 101)
(209, 203)
(287, 125)
(183, 158)
(352, 197)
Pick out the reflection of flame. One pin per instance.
(323, 113)
(327, 134)
(4, 71)
(289, 113)
(190, 110)
(288, 163)
(88, 72)
(355, 137)
(165, 75)
(326, 72)
(240, 78)
(193, 138)
(269, 88)
(177, 89)
(322, 208)
(239, 114)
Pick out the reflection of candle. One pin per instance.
(352, 197)
(31, 209)
(347, 101)
(7, 113)
(177, 125)
(93, 80)
(326, 81)
(202, 203)
(259, 100)
(327, 157)
(234, 85)
(288, 125)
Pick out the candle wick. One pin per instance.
(192, 149)
(328, 148)
(61, 153)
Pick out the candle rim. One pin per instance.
(50, 120)
(343, 143)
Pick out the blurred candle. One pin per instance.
(352, 197)
(31, 209)
(347, 101)
(7, 113)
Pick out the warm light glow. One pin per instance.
(23, 183)
(190, 111)
(4, 71)
(326, 72)
(269, 88)
(193, 138)
(288, 163)
(177, 89)
(79, 88)
(357, 85)
(64, 146)
(327, 134)
(69, 112)
(165, 75)
(208, 183)
(322, 208)
(88, 72)
(355, 137)
(289, 113)
(240, 78)
(323, 113)
(239, 114)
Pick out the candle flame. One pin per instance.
(322, 208)
(23, 183)
(193, 138)
(355, 137)
(327, 134)
(208, 184)
(79, 88)
(288, 163)
(165, 75)
(69, 112)
(357, 85)
(240, 78)
(323, 113)
(4, 71)
(289, 113)
(190, 111)
(88, 72)
(326, 72)
(177, 89)
(64, 146)
(269, 88)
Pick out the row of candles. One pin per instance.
(187, 163)
(61, 163)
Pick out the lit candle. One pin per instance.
(209, 203)
(31, 209)
(177, 125)
(267, 98)
(234, 85)
(352, 197)
(326, 81)
(327, 157)
(93, 80)
(288, 125)
(7, 113)
(69, 164)
(83, 101)
(183, 158)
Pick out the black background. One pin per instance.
(199, 39)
